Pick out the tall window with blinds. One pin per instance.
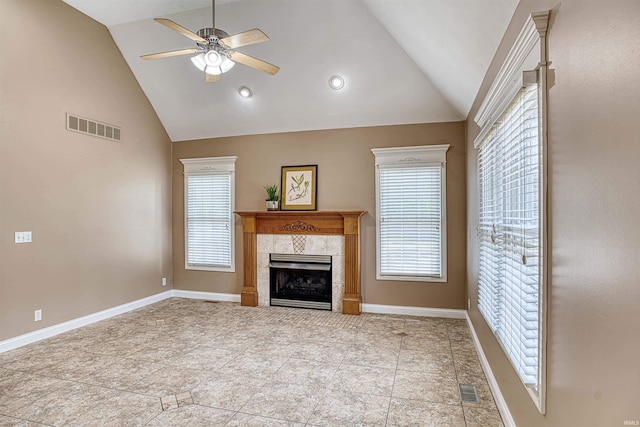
(509, 229)
(209, 200)
(411, 221)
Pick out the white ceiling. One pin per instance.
(404, 61)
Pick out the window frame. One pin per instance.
(409, 157)
(510, 79)
(202, 167)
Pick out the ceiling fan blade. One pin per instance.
(252, 62)
(244, 39)
(170, 53)
(180, 29)
(210, 78)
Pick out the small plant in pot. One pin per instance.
(272, 197)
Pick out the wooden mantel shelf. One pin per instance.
(346, 222)
(301, 222)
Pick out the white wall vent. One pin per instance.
(92, 127)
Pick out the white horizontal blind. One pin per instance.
(209, 220)
(509, 169)
(410, 221)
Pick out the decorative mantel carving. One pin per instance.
(298, 226)
(345, 223)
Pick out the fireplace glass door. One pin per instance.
(300, 281)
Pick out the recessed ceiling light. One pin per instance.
(336, 82)
(245, 91)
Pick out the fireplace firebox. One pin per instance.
(302, 281)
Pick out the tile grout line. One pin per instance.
(395, 373)
(455, 371)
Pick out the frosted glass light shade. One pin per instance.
(212, 59)
(212, 62)
(198, 61)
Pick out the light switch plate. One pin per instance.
(23, 237)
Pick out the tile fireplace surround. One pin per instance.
(301, 244)
(335, 233)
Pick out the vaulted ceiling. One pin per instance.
(403, 61)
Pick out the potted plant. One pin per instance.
(272, 197)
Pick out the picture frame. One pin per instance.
(298, 188)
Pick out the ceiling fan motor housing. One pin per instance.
(212, 33)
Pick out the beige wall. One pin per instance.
(345, 181)
(99, 210)
(594, 149)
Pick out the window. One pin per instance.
(411, 217)
(511, 209)
(209, 205)
(509, 227)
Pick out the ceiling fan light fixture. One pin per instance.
(215, 71)
(212, 59)
(198, 61)
(226, 65)
(212, 62)
(245, 91)
(336, 82)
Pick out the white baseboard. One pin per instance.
(507, 419)
(40, 334)
(51, 331)
(214, 296)
(413, 311)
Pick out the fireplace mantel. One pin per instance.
(345, 223)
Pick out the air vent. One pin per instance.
(469, 393)
(92, 127)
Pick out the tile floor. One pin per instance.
(195, 363)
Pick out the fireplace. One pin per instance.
(297, 280)
(262, 226)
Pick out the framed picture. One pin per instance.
(298, 188)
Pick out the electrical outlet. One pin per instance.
(164, 281)
(37, 315)
(469, 304)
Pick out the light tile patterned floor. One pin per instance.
(188, 363)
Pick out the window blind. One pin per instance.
(209, 220)
(509, 229)
(410, 221)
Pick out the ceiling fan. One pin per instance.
(215, 49)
